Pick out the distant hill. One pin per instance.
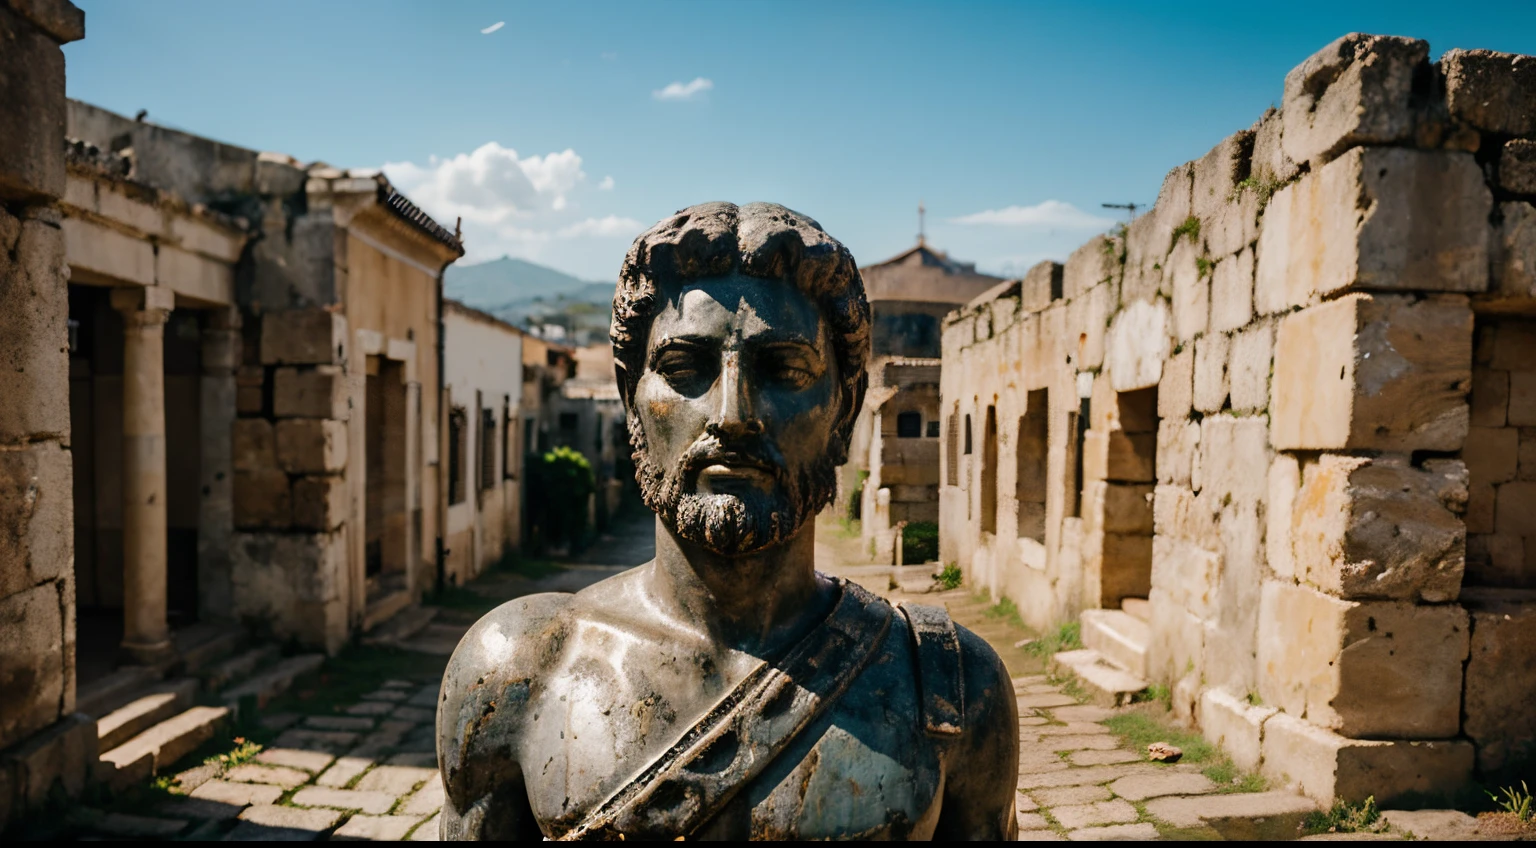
(516, 291)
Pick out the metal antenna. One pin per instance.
(1129, 207)
(920, 230)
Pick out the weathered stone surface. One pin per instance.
(1177, 443)
(1380, 528)
(1040, 285)
(344, 771)
(1433, 825)
(376, 803)
(303, 337)
(1495, 92)
(1191, 290)
(319, 503)
(32, 664)
(1065, 796)
(1094, 815)
(1192, 812)
(1515, 513)
(1490, 398)
(1327, 767)
(1376, 669)
(1248, 366)
(311, 445)
(58, 760)
(310, 761)
(376, 828)
(1269, 164)
(32, 164)
(1235, 725)
(1232, 292)
(428, 831)
(427, 800)
(1097, 261)
(1514, 250)
(395, 780)
(1143, 786)
(287, 778)
(262, 500)
(1175, 392)
(1373, 372)
(1103, 758)
(254, 446)
(293, 582)
(1137, 345)
(238, 794)
(1212, 354)
(1357, 90)
(1139, 832)
(34, 362)
(1284, 485)
(1215, 198)
(1382, 219)
(318, 392)
(1517, 166)
(1522, 398)
(1501, 682)
(271, 823)
(1081, 776)
(1492, 454)
(1231, 448)
(36, 514)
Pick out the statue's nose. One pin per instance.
(736, 415)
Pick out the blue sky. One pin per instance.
(557, 138)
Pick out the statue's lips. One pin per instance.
(734, 468)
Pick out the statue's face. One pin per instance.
(737, 406)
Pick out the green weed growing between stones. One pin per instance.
(1517, 803)
(1346, 817)
(950, 577)
(1068, 637)
(1190, 227)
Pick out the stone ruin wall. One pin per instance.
(1301, 393)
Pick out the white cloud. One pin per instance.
(683, 90)
(493, 27)
(1049, 214)
(526, 206)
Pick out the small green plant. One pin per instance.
(856, 497)
(1068, 637)
(244, 751)
(950, 577)
(1516, 803)
(564, 480)
(1204, 266)
(1190, 227)
(920, 542)
(1156, 693)
(1262, 183)
(1254, 700)
(1345, 817)
(1006, 610)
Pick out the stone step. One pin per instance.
(271, 681)
(1107, 684)
(1118, 635)
(1137, 607)
(158, 748)
(401, 627)
(384, 608)
(158, 703)
(221, 674)
(200, 645)
(106, 694)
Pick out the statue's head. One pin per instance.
(740, 336)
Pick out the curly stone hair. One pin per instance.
(762, 240)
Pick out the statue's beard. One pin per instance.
(732, 524)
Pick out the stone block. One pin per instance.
(1177, 644)
(34, 356)
(1097, 261)
(1515, 512)
(1234, 724)
(1269, 163)
(1480, 511)
(1381, 528)
(1357, 90)
(1248, 368)
(1490, 398)
(1495, 92)
(1497, 559)
(1176, 391)
(1373, 372)
(36, 516)
(311, 445)
(60, 19)
(1189, 576)
(262, 499)
(1232, 292)
(1527, 453)
(1522, 398)
(255, 447)
(1191, 290)
(278, 175)
(1284, 486)
(56, 763)
(33, 663)
(1512, 346)
(1137, 345)
(248, 400)
(1092, 312)
(1146, 246)
(1514, 251)
(292, 582)
(1328, 767)
(303, 337)
(1232, 452)
(1216, 200)
(31, 143)
(1211, 362)
(1376, 219)
(1492, 454)
(1040, 285)
(319, 503)
(1517, 166)
(1363, 669)
(1501, 682)
(1177, 443)
(318, 392)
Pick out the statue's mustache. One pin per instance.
(710, 450)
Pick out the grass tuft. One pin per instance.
(950, 577)
(1346, 817)
(1190, 227)
(1068, 637)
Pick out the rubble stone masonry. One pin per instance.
(1294, 407)
(45, 747)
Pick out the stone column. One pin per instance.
(146, 635)
(215, 521)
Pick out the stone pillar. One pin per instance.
(146, 635)
(215, 520)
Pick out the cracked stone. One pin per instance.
(240, 794)
(1095, 815)
(282, 776)
(1140, 787)
(1066, 796)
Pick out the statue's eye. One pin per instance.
(684, 369)
(789, 367)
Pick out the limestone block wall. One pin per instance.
(45, 747)
(1286, 407)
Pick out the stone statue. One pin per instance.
(726, 689)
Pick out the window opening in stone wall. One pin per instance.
(989, 473)
(1031, 458)
(952, 449)
(1130, 475)
(967, 434)
(933, 429)
(458, 421)
(488, 475)
(909, 425)
(1500, 456)
(508, 440)
(1077, 429)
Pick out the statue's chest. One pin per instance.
(862, 769)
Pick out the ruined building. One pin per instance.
(895, 448)
(1282, 431)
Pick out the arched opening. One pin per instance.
(989, 473)
(1031, 456)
